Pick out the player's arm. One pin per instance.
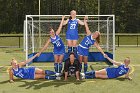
(11, 76)
(27, 61)
(65, 22)
(44, 48)
(127, 75)
(99, 48)
(60, 26)
(86, 26)
(113, 61)
(80, 22)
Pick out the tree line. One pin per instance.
(12, 12)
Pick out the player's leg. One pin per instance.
(85, 59)
(101, 74)
(56, 61)
(39, 71)
(66, 75)
(69, 43)
(39, 76)
(75, 47)
(60, 63)
(80, 59)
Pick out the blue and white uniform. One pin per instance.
(24, 73)
(59, 48)
(83, 47)
(72, 30)
(116, 72)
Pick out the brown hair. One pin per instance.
(98, 39)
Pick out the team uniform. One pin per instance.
(72, 30)
(24, 73)
(83, 47)
(116, 72)
(59, 48)
(111, 72)
(72, 68)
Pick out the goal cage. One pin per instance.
(36, 32)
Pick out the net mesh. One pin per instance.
(38, 32)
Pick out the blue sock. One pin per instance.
(89, 77)
(75, 51)
(55, 67)
(91, 73)
(69, 50)
(80, 67)
(50, 77)
(48, 72)
(59, 67)
(85, 67)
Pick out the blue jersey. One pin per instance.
(87, 42)
(121, 70)
(57, 42)
(72, 27)
(24, 73)
(116, 72)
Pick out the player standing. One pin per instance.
(72, 31)
(59, 48)
(83, 47)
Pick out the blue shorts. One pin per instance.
(82, 51)
(31, 74)
(72, 36)
(59, 51)
(111, 72)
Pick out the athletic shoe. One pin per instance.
(58, 78)
(82, 75)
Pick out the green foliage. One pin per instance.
(12, 12)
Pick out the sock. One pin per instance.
(85, 67)
(69, 50)
(91, 73)
(55, 67)
(89, 77)
(59, 67)
(75, 51)
(80, 67)
(50, 77)
(48, 72)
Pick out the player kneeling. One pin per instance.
(111, 72)
(72, 67)
(19, 71)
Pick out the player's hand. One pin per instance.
(105, 56)
(63, 17)
(129, 78)
(38, 54)
(11, 81)
(85, 18)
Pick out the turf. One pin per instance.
(119, 85)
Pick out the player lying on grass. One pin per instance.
(86, 43)
(111, 72)
(72, 67)
(59, 48)
(18, 70)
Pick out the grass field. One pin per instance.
(119, 85)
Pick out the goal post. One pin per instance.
(36, 32)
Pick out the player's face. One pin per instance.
(72, 58)
(14, 64)
(73, 14)
(52, 33)
(127, 61)
(95, 35)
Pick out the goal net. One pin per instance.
(36, 32)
